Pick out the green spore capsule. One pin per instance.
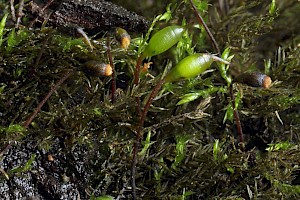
(95, 68)
(255, 79)
(163, 40)
(192, 66)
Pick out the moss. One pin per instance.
(178, 159)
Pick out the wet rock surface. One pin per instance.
(92, 15)
(63, 174)
(46, 179)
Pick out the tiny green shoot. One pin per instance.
(223, 68)
(197, 94)
(2, 26)
(146, 145)
(279, 146)
(181, 141)
(26, 167)
(13, 128)
(272, 9)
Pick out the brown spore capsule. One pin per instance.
(255, 79)
(50, 158)
(95, 68)
(123, 37)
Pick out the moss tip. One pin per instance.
(267, 82)
(107, 70)
(125, 41)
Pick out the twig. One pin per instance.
(113, 77)
(53, 89)
(12, 10)
(41, 11)
(20, 13)
(201, 21)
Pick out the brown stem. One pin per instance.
(33, 69)
(136, 82)
(133, 167)
(136, 145)
(53, 89)
(147, 106)
(139, 133)
(201, 21)
(236, 116)
(137, 70)
(113, 76)
(138, 107)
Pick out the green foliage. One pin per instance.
(230, 110)
(202, 6)
(2, 88)
(185, 44)
(280, 146)
(201, 38)
(97, 111)
(216, 150)
(2, 26)
(181, 141)
(272, 9)
(285, 99)
(25, 168)
(229, 113)
(168, 14)
(14, 39)
(268, 66)
(146, 145)
(289, 190)
(68, 43)
(282, 168)
(13, 129)
(105, 197)
(218, 154)
(185, 194)
(223, 67)
(186, 98)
